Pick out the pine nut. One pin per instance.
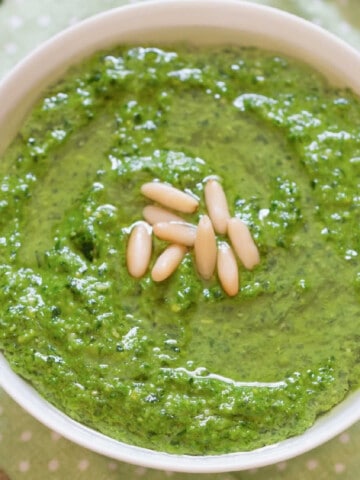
(139, 249)
(243, 243)
(227, 269)
(170, 197)
(176, 232)
(205, 248)
(217, 205)
(154, 214)
(167, 262)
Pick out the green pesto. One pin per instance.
(178, 366)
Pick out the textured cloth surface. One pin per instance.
(29, 450)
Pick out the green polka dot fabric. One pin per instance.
(30, 451)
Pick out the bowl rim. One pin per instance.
(36, 66)
(327, 426)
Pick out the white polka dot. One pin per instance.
(24, 466)
(73, 20)
(1, 410)
(312, 464)
(10, 48)
(15, 22)
(53, 465)
(344, 438)
(112, 466)
(44, 20)
(26, 436)
(339, 468)
(140, 471)
(281, 466)
(344, 28)
(83, 465)
(55, 436)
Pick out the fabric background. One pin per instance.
(29, 450)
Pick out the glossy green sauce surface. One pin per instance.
(179, 366)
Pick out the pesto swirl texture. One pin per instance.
(179, 366)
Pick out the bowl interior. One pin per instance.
(211, 22)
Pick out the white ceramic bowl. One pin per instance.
(211, 21)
